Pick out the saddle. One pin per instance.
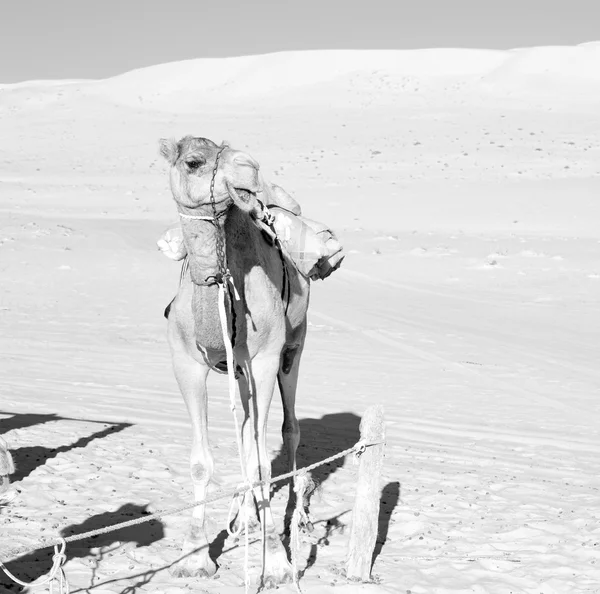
(312, 246)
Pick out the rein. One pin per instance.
(210, 218)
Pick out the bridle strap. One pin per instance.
(220, 244)
(210, 218)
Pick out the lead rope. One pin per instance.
(57, 572)
(239, 502)
(220, 235)
(299, 517)
(222, 278)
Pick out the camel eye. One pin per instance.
(194, 164)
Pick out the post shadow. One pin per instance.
(34, 565)
(390, 496)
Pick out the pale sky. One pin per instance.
(41, 39)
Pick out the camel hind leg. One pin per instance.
(287, 378)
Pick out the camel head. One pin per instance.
(192, 162)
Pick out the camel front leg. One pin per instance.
(256, 394)
(191, 377)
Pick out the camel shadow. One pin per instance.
(34, 565)
(319, 439)
(27, 459)
(23, 420)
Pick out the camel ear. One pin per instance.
(169, 149)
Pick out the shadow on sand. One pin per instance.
(27, 459)
(390, 496)
(321, 438)
(23, 420)
(32, 566)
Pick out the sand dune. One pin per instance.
(250, 78)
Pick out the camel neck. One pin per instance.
(200, 238)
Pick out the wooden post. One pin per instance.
(365, 514)
(6, 468)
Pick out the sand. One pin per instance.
(463, 185)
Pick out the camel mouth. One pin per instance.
(244, 194)
(243, 197)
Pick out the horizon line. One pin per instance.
(298, 51)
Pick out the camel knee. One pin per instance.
(196, 532)
(201, 473)
(287, 359)
(290, 431)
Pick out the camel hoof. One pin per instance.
(238, 525)
(187, 570)
(274, 581)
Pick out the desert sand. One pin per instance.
(464, 186)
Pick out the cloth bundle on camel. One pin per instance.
(312, 246)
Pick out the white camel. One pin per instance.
(219, 194)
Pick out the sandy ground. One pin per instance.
(468, 305)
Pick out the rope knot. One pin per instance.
(59, 556)
(301, 481)
(268, 217)
(56, 572)
(360, 447)
(236, 506)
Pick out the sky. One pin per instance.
(66, 39)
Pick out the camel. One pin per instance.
(313, 246)
(218, 193)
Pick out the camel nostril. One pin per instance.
(246, 160)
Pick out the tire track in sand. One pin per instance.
(468, 371)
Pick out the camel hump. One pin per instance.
(279, 197)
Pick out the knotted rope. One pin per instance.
(222, 494)
(58, 560)
(240, 500)
(299, 517)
